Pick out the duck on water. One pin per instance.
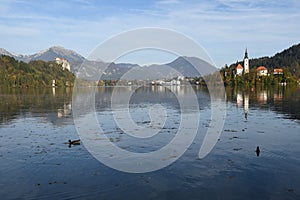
(257, 151)
(74, 142)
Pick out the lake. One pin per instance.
(35, 162)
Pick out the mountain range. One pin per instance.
(289, 58)
(87, 68)
(47, 55)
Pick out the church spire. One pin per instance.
(246, 53)
(246, 62)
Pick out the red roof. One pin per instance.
(261, 68)
(239, 66)
(278, 70)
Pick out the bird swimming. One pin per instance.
(257, 151)
(74, 142)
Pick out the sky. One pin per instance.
(224, 28)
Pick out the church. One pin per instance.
(240, 69)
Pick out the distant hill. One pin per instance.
(182, 66)
(25, 58)
(48, 55)
(288, 58)
(57, 51)
(186, 66)
(5, 52)
(14, 73)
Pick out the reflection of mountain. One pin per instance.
(167, 96)
(40, 103)
(57, 107)
(284, 100)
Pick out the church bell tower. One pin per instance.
(246, 62)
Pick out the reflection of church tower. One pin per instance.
(239, 99)
(246, 105)
(246, 62)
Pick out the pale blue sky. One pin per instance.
(223, 27)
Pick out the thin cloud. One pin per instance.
(168, 2)
(224, 27)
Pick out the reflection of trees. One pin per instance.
(289, 103)
(170, 96)
(56, 107)
(37, 102)
(167, 95)
(281, 99)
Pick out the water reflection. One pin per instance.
(36, 164)
(165, 95)
(46, 102)
(239, 98)
(262, 96)
(246, 105)
(66, 111)
(54, 107)
(284, 100)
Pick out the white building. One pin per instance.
(246, 63)
(278, 71)
(262, 71)
(64, 63)
(240, 69)
(53, 83)
(180, 78)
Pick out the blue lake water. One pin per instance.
(36, 164)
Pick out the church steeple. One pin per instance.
(246, 62)
(246, 54)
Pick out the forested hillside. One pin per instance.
(289, 59)
(39, 73)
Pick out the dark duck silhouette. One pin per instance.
(257, 151)
(74, 142)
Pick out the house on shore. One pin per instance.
(262, 71)
(278, 71)
(239, 70)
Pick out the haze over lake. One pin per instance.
(36, 164)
